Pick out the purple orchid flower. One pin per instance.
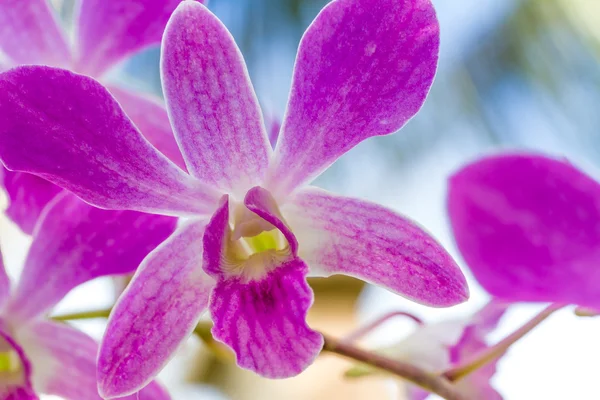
(107, 33)
(73, 243)
(439, 346)
(255, 230)
(528, 227)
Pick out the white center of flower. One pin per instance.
(254, 246)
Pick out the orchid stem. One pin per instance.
(494, 352)
(428, 381)
(83, 315)
(361, 332)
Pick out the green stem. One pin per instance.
(83, 315)
(494, 352)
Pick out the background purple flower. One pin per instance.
(438, 346)
(528, 227)
(72, 244)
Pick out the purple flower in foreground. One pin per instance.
(73, 243)
(439, 346)
(107, 33)
(528, 227)
(255, 229)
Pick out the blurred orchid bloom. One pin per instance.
(106, 33)
(255, 229)
(528, 227)
(439, 346)
(73, 243)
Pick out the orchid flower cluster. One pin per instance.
(191, 198)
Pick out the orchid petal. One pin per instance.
(110, 30)
(436, 347)
(74, 243)
(68, 129)
(340, 235)
(431, 347)
(156, 313)
(213, 108)
(528, 227)
(363, 69)
(152, 120)
(29, 33)
(428, 346)
(263, 320)
(28, 195)
(17, 385)
(477, 385)
(472, 341)
(64, 361)
(214, 240)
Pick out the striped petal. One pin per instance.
(74, 243)
(211, 102)
(69, 130)
(264, 321)
(363, 69)
(341, 235)
(156, 313)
